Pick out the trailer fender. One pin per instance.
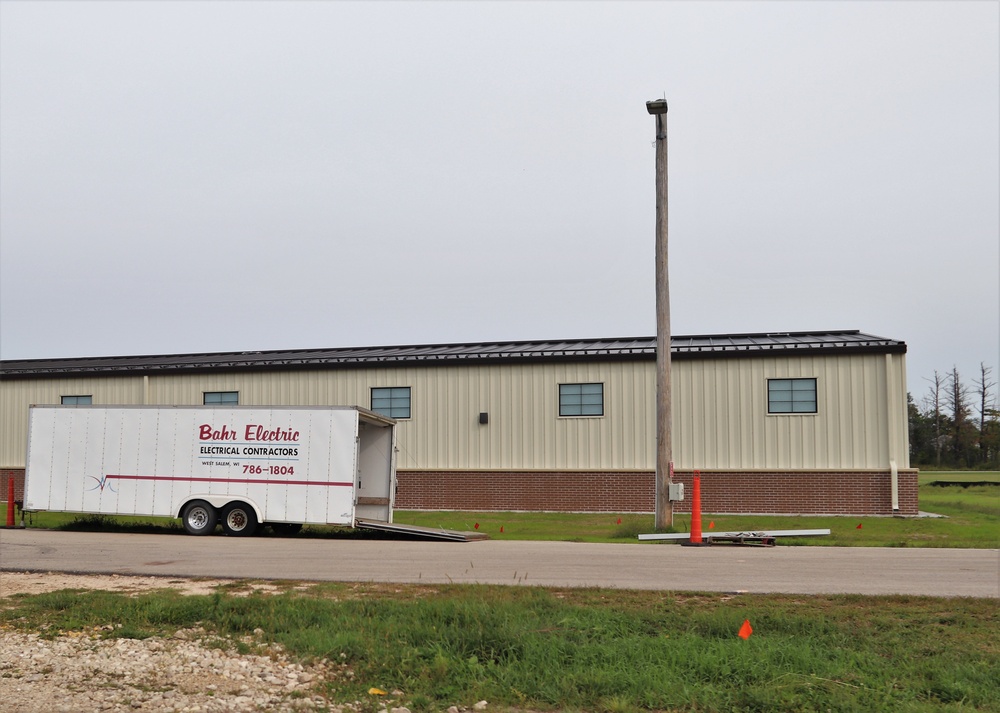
(219, 502)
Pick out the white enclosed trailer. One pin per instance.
(237, 466)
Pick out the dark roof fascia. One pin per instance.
(314, 365)
(786, 351)
(732, 346)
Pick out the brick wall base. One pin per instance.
(561, 491)
(758, 492)
(18, 476)
(864, 492)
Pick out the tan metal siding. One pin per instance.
(721, 420)
(524, 429)
(19, 394)
(720, 411)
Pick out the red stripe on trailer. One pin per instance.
(253, 481)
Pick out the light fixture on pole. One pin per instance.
(657, 106)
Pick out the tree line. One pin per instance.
(956, 425)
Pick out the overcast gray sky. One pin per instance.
(215, 176)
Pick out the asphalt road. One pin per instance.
(651, 566)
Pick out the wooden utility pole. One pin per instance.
(664, 454)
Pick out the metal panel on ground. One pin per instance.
(418, 531)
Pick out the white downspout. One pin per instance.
(895, 485)
(893, 430)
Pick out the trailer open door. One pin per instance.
(376, 478)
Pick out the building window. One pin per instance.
(76, 400)
(393, 402)
(791, 395)
(581, 399)
(222, 398)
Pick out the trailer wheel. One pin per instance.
(199, 518)
(239, 520)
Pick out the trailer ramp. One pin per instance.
(431, 533)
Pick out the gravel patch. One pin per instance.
(80, 672)
(12, 583)
(187, 672)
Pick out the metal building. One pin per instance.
(776, 423)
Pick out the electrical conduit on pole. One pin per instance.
(696, 509)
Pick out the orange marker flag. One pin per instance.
(476, 526)
(711, 525)
(858, 527)
(501, 528)
(745, 630)
(619, 521)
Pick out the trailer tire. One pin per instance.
(199, 518)
(239, 520)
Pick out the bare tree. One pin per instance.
(933, 405)
(983, 387)
(956, 399)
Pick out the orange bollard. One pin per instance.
(696, 509)
(10, 501)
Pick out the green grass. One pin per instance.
(971, 522)
(94, 523)
(588, 650)
(972, 519)
(574, 527)
(958, 476)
